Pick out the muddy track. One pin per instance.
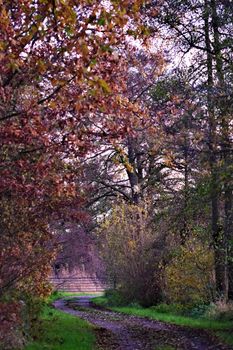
(117, 331)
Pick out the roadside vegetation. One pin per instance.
(58, 330)
(212, 317)
(157, 276)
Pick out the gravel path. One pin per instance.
(116, 331)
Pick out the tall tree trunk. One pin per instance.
(227, 234)
(184, 233)
(219, 249)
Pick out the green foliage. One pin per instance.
(101, 21)
(24, 317)
(32, 309)
(175, 319)
(59, 294)
(220, 311)
(225, 336)
(115, 298)
(199, 311)
(163, 308)
(19, 318)
(62, 331)
(161, 92)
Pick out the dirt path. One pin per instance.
(116, 331)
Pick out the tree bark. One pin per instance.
(218, 242)
(133, 175)
(227, 233)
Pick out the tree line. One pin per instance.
(119, 114)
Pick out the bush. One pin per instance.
(220, 311)
(189, 275)
(115, 298)
(198, 311)
(33, 306)
(11, 331)
(19, 319)
(128, 247)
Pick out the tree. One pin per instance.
(132, 257)
(61, 86)
(203, 29)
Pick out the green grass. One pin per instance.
(225, 336)
(167, 317)
(222, 329)
(61, 331)
(58, 295)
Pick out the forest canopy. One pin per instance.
(116, 116)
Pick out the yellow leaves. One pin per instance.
(132, 244)
(4, 17)
(99, 84)
(41, 66)
(129, 167)
(130, 223)
(144, 30)
(190, 273)
(84, 50)
(13, 66)
(126, 237)
(65, 13)
(121, 158)
(57, 82)
(104, 85)
(169, 160)
(2, 45)
(52, 104)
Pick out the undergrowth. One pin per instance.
(61, 331)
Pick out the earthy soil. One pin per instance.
(116, 331)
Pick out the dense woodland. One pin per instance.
(116, 116)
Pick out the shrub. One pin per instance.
(128, 247)
(33, 306)
(220, 311)
(115, 298)
(11, 331)
(19, 319)
(189, 275)
(198, 311)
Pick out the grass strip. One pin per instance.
(59, 294)
(61, 331)
(223, 329)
